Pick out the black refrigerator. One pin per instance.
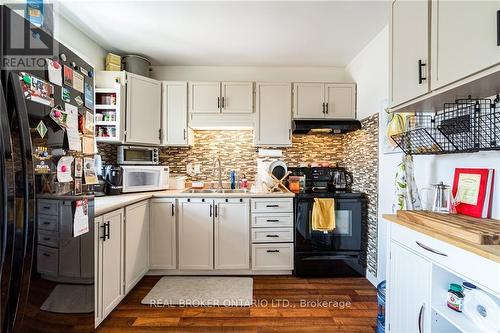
(47, 259)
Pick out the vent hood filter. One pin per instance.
(326, 126)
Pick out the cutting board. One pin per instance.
(470, 229)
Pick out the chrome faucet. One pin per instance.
(217, 161)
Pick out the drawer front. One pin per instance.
(48, 238)
(272, 256)
(47, 222)
(48, 207)
(272, 205)
(465, 263)
(272, 235)
(272, 220)
(47, 260)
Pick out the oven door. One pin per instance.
(350, 221)
(138, 179)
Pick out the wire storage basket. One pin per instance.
(468, 125)
(422, 137)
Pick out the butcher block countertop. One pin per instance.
(106, 204)
(482, 240)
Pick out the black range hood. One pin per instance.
(322, 126)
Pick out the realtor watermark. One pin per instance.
(261, 303)
(28, 36)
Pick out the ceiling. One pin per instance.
(232, 33)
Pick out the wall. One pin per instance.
(270, 74)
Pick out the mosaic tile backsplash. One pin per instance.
(357, 151)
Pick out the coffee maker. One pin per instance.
(113, 176)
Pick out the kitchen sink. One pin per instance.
(208, 191)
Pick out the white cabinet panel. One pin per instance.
(162, 234)
(464, 39)
(309, 99)
(204, 97)
(143, 121)
(273, 105)
(409, 45)
(174, 114)
(237, 97)
(408, 291)
(136, 243)
(110, 249)
(195, 233)
(232, 239)
(340, 101)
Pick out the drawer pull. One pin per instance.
(46, 238)
(425, 247)
(46, 254)
(272, 206)
(272, 236)
(272, 220)
(46, 207)
(46, 223)
(273, 251)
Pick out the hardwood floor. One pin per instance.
(271, 312)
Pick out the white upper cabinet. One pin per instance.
(162, 234)
(324, 100)
(143, 121)
(309, 99)
(232, 234)
(273, 108)
(340, 101)
(174, 114)
(465, 39)
(409, 29)
(195, 233)
(237, 97)
(204, 97)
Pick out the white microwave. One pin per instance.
(144, 178)
(137, 155)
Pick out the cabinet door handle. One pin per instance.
(184, 134)
(173, 210)
(272, 220)
(210, 210)
(273, 251)
(216, 210)
(421, 77)
(272, 236)
(323, 108)
(326, 108)
(289, 134)
(498, 28)
(421, 319)
(223, 102)
(425, 247)
(218, 102)
(103, 237)
(108, 232)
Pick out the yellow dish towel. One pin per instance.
(323, 215)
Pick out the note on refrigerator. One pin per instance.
(89, 171)
(74, 142)
(81, 217)
(64, 169)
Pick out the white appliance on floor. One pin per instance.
(145, 178)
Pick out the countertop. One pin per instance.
(103, 205)
(491, 252)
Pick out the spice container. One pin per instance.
(455, 297)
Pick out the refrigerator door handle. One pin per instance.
(19, 294)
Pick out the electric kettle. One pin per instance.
(341, 179)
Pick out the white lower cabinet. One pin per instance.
(232, 228)
(109, 268)
(409, 295)
(136, 243)
(162, 234)
(277, 256)
(196, 232)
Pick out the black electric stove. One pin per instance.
(341, 252)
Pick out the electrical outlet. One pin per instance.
(197, 168)
(189, 169)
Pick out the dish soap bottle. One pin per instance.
(232, 179)
(244, 182)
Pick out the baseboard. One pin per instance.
(216, 273)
